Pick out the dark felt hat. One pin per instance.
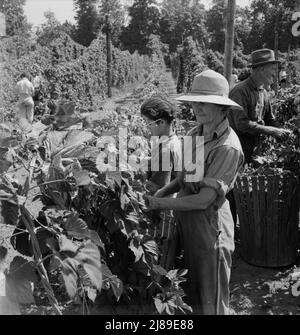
(263, 57)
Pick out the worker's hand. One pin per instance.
(281, 133)
(151, 187)
(151, 202)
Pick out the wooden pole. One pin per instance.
(108, 48)
(2, 25)
(276, 51)
(229, 39)
(288, 65)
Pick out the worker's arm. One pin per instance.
(202, 200)
(224, 164)
(169, 189)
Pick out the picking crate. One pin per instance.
(268, 211)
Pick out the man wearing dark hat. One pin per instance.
(257, 117)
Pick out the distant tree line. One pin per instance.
(172, 20)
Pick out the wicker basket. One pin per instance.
(268, 211)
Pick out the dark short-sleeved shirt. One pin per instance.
(158, 179)
(257, 112)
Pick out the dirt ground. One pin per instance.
(262, 291)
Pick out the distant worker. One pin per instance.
(38, 94)
(25, 90)
(234, 80)
(283, 78)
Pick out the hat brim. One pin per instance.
(265, 63)
(212, 99)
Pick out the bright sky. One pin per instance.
(63, 9)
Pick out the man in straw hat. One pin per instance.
(257, 117)
(204, 221)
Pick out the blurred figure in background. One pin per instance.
(25, 91)
(234, 80)
(38, 94)
(283, 78)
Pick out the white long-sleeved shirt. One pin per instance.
(24, 88)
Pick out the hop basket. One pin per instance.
(268, 211)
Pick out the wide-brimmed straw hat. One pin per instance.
(210, 87)
(262, 57)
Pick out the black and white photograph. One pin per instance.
(150, 160)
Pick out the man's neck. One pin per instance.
(168, 132)
(257, 80)
(210, 128)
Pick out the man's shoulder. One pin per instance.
(240, 87)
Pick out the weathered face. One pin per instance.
(268, 73)
(206, 112)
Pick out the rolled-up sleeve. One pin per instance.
(223, 167)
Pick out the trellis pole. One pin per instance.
(108, 50)
(229, 39)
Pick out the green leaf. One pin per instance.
(82, 178)
(11, 198)
(91, 293)
(113, 178)
(52, 244)
(160, 306)
(3, 253)
(170, 309)
(69, 273)
(150, 246)
(176, 276)
(18, 281)
(67, 246)
(2, 284)
(9, 213)
(137, 250)
(84, 278)
(159, 270)
(89, 257)
(114, 282)
(107, 274)
(6, 159)
(18, 290)
(22, 269)
(142, 266)
(183, 272)
(56, 197)
(95, 238)
(8, 307)
(77, 137)
(124, 200)
(43, 235)
(117, 287)
(54, 264)
(76, 227)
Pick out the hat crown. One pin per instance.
(262, 56)
(210, 82)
